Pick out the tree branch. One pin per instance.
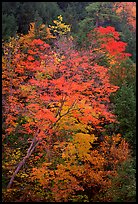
(35, 143)
(21, 163)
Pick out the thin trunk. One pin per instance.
(33, 145)
(29, 152)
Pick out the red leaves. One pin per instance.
(46, 115)
(72, 79)
(46, 45)
(45, 97)
(43, 83)
(109, 30)
(59, 83)
(34, 106)
(111, 50)
(59, 97)
(30, 58)
(31, 52)
(108, 40)
(19, 69)
(37, 42)
(114, 47)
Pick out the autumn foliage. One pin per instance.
(111, 53)
(83, 168)
(60, 98)
(127, 10)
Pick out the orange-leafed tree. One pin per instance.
(44, 87)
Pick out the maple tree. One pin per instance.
(60, 98)
(106, 42)
(51, 89)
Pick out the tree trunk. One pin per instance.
(29, 152)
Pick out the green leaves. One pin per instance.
(124, 184)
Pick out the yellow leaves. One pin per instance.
(60, 18)
(82, 143)
(42, 26)
(42, 174)
(11, 45)
(85, 138)
(60, 27)
(56, 22)
(78, 170)
(22, 175)
(67, 122)
(45, 75)
(11, 158)
(79, 127)
(79, 147)
(28, 119)
(74, 121)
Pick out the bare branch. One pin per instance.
(29, 152)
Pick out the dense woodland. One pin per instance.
(69, 101)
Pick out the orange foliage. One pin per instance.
(47, 93)
(34, 32)
(130, 9)
(86, 173)
(33, 83)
